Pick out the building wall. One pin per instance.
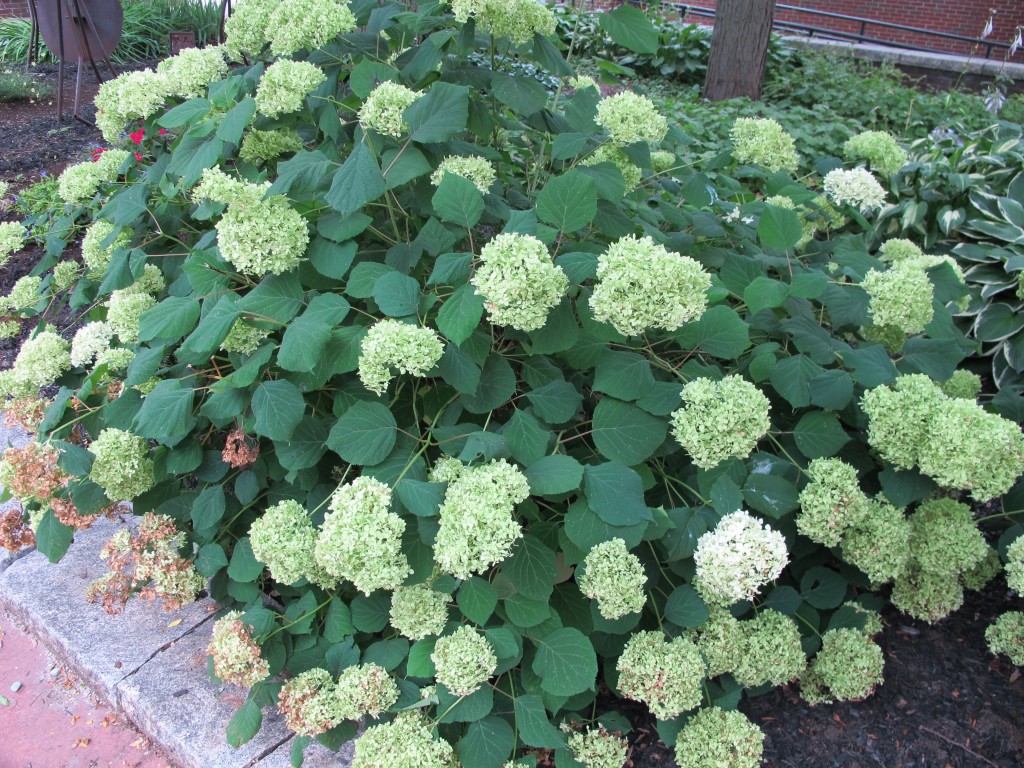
(13, 8)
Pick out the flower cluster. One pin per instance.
(40, 361)
(899, 249)
(124, 312)
(244, 338)
(665, 675)
(477, 522)
(475, 169)
(284, 86)
(518, 20)
(218, 186)
(878, 148)
(269, 237)
(614, 577)
(900, 297)
(720, 419)
(384, 106)
(31, 473)
(236, 655)
(309, 703)
(78, 183)
(360, 539)
(95, 254)
(464, 661)
(128, 97)
(297, 24)
(848, 666)
(641, 285)
(879, 543)
(628, 118)
(737, 558)
(121, 465)
(394, 345)
(15, 535)
(963, 384)
(720, 641)
(808, 226)
(366, 689)
(724, 739)
(284, 539)
(978, 577)
(419, 611)
(597, 748)
(12, 237)
(245, 29)
(518, 281)
(770, 651)
(65, 274)
(764, 142)
(1015, 565)
(25, 293)
(662, 161)
(609, 153)
(1006, 636)
(192, 70)
(405, 742)
(856, 187)
(831, 503)
(953, 440)
(91, 340)
(269, 145)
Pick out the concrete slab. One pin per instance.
(48, 599)
(172, 700)
(317, 756)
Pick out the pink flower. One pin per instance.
(138, 136)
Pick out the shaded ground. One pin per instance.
(945, 702)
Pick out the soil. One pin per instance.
(946, 702)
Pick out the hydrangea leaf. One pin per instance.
(396, 294)
(720, 332)
(460, 314)
(166, 413)
(615, 492)
(685, 607)
(459, 201)
(487, 743)
(555, 402)
(552, 475)
(631, 28)
(526, 439)
(357, 182)
(304, 339)
(624, 433)
(440, 114)
(625, 375)
(169, 320)
(586, 530)
(244, 724)
(779, 228)
(534, 727)
(531, 569)
(477, 600)
(365, 434)
(565, 662)
(770, 495)
(568, 202)
(819, 434)
(208, 508)
(53, 537)
(464, 709)
(277, 408)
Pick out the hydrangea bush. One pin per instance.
(494, 398)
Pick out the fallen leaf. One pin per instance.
(83, 743)
(174, 623)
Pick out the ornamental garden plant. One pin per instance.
(467, 398)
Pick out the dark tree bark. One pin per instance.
(739, 44)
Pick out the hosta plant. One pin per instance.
(468, 400)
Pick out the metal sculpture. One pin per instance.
(80, 30)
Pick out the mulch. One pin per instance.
(946, 702)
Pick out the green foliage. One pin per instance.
(551, 441)
(17, 85)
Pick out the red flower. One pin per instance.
(138, 136)
(162, 131)
(97, 152)
(138, 156)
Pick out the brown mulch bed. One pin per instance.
(946, 702)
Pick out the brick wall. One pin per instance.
(13, 8)
(963, 17)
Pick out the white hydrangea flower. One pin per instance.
(857, 187)
(40, 361)
(475, 169)
(464, 661)
(518, 20)
(268, 237)
(297, 24)
(12, 237)
(737, 558)
(392, 344)
(720, 419)
(900, 297)
(284, 86)
(383, 109)
(90, 340)
(128, 97)
(192, 70)
(764, 142)
(614, 577)
(245, 29)
(94, 254)
(78, 183)
(628, 118)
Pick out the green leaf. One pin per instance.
(524, 95)
(784, 600)
(625, 375)
(302, 173)
(403, 165)
(903, 487)
(365, 434)
(937, 358)
(244, 724)
(396, 294)
(459, 201)
(871, 366)
(464, 709)
(420, 498)
(532, 722)
(568, 202)
(244, 566)
(487, 744)
(420, 664)
(440, 114)
(218, 316)
(193, 156)
(460, 314)
(304, 339)
(779, 228)
(306, 446)
(526, 439)
(531, 569)
(497, 386)
(237, 119)
(770, 495)
(458, 369)
(720, 332)
(357, 182)
(685, 608)
(277, 408)
(555, 402)
(477, 600)
(615, 492)
(209, 559)
(765, 293)
(387, 653)
(53, 537)
(566, 662)
(586, 530)
(819, 435)
(370, 612)
(186, 113)
(277, 297)
(208, 508)
(169, 320)
(681, 541)
(831, 389)
(525, 613)
(792, 377)
(630, 28)
(553, 475)
(166, 413)
(822, 588)
(624, 433)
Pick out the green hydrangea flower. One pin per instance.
(944, 539)
(879, 149)
(12, 238)
(464, 661)
(297, 24)
(269, 237)
(978, 577)
(720, 641)
(849, 664)
(65, 274)
(269, 145)
(245, 29)
(236, 655)
(310, 704)
(1015, 565)
(475, 169)
(128, 97)
(926, 595)
(763, 141)
(419, 611)
(365, 689)
(77, 184)
(284, 86)
(737, 558)
(628, 118)
(518, 281)
(962, 384)
(91, 340)
(383, 109)
(880, 543)
(665, 675)
(97, 256)
(901, 297)
(25, 293)
(40, 361)
(518, 20)
(771, 651)
(284, 540)
(610, 153)
(831, 503)
(394, 345)
(190, 72)
(596, 747)
(124, 312)
(1006, 636)
(121, 464)
(406, 742)
(614, 577)
(716, 737)
(899, 249)
(899, 417)
(218, 186)
(720, 419)
(642, 285)
(244, 338)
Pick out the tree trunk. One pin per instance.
(739, 44)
